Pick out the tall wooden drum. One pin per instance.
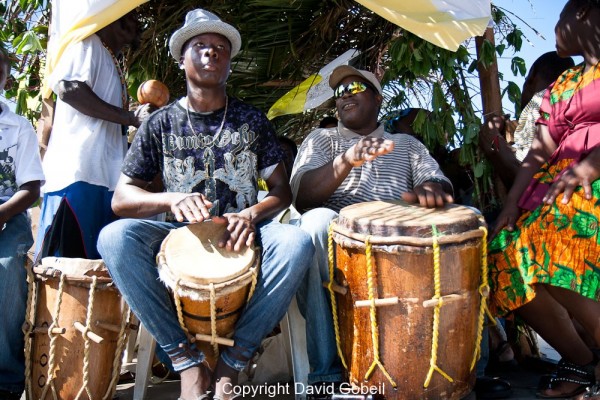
(76, 339)
(408, 300)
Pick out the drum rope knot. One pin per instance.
(436, 312)
(484, 291)
(336, 324)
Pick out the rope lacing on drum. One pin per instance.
(53, 336)
(484, 291)
(336, 324)
(179, 308)
(213, 319)
(253, 283)
(436, 312)
(87, 341)
(28, 329)
(118, 359)
(373, 316)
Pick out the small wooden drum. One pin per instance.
(78, 333)
(408, 298)
(210, 284)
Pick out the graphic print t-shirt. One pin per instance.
(223, 165)
(19, 155)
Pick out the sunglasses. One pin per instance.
(351, 88)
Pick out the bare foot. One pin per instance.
(225, 379)
(195, 382)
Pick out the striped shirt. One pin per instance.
(384, 178)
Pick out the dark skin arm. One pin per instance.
(27, 194)
(133, 199)
(331, 175)
(541, 149)
(498, 151)
(82, 98)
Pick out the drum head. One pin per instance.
(192, 254)
(73, 267)
(387, 219)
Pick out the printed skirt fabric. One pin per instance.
(556, 244)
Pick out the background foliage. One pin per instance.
(284, 41)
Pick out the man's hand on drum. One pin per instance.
(367, 149)
(240, 232)
(428, 194)
(191, 207)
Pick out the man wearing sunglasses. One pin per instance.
(354, 162)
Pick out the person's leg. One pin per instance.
(129, 248)
(487, 387)
(314, 302)
(501, 355)
(554, 324)
(286, 253)
(15, 240)
(585, 311)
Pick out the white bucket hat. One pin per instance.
(200, 21)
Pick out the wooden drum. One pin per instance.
(409, 326)
(75, 342)
(210, 284)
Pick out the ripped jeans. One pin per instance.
(15, 240)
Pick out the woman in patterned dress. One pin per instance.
(545, 257)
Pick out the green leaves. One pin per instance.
(28, 42)
(517, 66)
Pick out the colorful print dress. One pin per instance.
(556, 244)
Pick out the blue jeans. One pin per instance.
(129, 248)
(314, 302)
(15, 240)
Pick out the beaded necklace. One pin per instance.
(124, 95)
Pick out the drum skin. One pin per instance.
(406, 270)
(69, 347)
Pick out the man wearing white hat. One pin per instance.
(355, 161)
(210, 150)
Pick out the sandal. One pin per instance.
(592, 392)
(582, 375)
